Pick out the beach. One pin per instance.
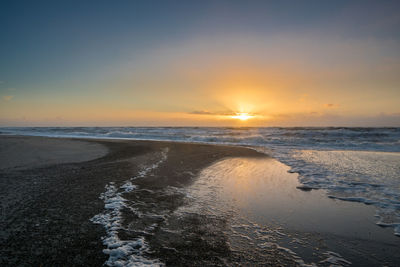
(86, 202)
(46, 210)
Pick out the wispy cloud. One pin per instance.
(330, 105)
(201, 112)
(214, 113)
(8, 97)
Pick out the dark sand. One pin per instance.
(50, 188)
(47, 203)
(22, 152)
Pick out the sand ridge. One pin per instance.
(31, 152)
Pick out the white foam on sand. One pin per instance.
(124, 252)
(335, 259)
(128, 186)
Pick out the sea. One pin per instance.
(349, 163)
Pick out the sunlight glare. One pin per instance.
(242, 116)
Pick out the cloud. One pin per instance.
(331, 105)
(217, 113)
(8, 97)
(201, 112)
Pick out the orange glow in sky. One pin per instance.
(242, 116)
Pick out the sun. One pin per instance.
(242, 116)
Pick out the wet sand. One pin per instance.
(33, 152)
(197, 208)
(46, 206)
(268, 214)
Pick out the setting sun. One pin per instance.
(242, 116)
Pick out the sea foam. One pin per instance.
(124, 252)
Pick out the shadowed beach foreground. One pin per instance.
(64, 201)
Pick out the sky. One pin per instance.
(200, 63)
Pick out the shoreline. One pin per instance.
(47, 209)
(101, 139)
(264, 150)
